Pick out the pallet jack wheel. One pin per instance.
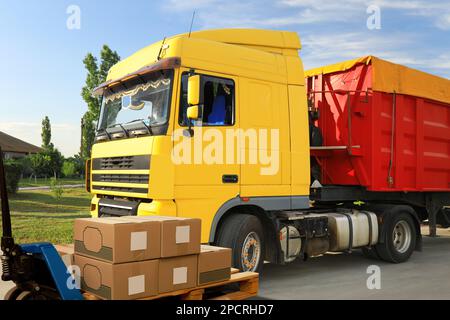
(26, 295)
(43, 294)
(12, 294)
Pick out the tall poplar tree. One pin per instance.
(46, 134)
(96, 74)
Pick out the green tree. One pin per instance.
(46, 132)
(88, 135)
(56, 161)
(80, 165)
(96, 74)
(69, 169)
(25, 163)
(47, 163)
(40, 164)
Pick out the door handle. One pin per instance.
(230, 178)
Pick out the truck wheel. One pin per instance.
(243, 233)
(399, 238)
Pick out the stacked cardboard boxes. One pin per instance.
(135, 257)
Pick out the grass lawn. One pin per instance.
(37, 215)
(46, 182)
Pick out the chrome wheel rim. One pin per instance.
(401, 236)
(251, 252)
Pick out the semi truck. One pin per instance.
(278, 163)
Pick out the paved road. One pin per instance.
(64, 186)
(343, 276)
(425, 276)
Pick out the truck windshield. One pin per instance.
(145, 104)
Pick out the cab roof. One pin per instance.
(252, 37)
(253, 52)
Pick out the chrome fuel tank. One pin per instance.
(352, 229)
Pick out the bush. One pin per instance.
(69, 169)
(56, 188)
(27, 169)
(13, 172)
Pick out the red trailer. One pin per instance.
(385, 132)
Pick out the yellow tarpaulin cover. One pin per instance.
(389, 77)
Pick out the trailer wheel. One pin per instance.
(399, 238)
(243, 233)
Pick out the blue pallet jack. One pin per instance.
(36, 269)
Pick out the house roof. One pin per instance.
(11, 144)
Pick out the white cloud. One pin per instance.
(356, 4)
(326, 10)
(234, 13)
(322, 49)
(181, 5)
(311, 17)
(66, 137)
(444, 22)
(338, 46)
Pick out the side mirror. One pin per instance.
(192, 113)
(194, 90)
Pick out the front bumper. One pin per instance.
(103, 207)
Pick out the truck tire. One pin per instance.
(244, 234)
(399, 238)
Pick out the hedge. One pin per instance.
(13, 171)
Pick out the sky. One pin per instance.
(41, 57)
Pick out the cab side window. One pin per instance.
(217, 105)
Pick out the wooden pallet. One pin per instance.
(247, 283)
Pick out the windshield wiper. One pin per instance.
(149, 129)
(107, 133)
(121, 127)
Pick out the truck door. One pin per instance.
(265, 116)
(207, 170)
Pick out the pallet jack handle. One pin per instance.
(7, 241)
(6, 215)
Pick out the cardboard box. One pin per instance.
(117, 240)
(214, 264)
(125, 281)
(177, 273)
(66, 253)
(179, 236)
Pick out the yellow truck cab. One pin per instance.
(216, 125)
(133, 170)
